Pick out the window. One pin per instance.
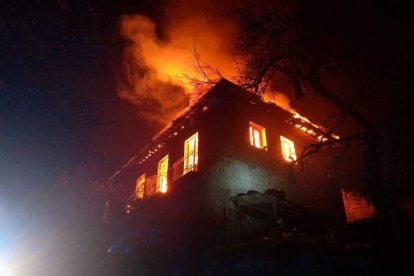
(257, 136)
(162, 175)
(191, 153)
(288, 149)
(139, 187)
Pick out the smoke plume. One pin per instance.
(159, 60)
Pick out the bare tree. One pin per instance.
(272, 40)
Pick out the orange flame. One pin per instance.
(157, 69)
(283, 102)
(278, 98)
(158, 63)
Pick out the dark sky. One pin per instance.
(62, 126)
(58, 103)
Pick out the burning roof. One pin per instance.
(159, 140)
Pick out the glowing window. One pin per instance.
(288, 149)
(139, 186)
(257, 136)
(191, 153)
(162, 175)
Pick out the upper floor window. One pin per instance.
(162, 175)
(257, 136)
(139, 186)
(191, 154)
(288, 149)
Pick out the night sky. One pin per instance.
(64, 129)
(59, 108)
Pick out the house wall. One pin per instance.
(229, 163)
(239, 167)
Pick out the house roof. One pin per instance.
(177, 124)
(222, 86)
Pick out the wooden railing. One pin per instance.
(151, 184)
(178, 169)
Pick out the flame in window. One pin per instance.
(257, 136)
(162, 178)
(191, 153)
(139, 186)
(288, 149)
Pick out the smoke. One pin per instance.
(159, 59)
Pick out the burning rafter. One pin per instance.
(305, 125)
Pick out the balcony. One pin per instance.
(184, 165)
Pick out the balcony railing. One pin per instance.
(181, 166)
(152, 183)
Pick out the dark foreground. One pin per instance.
(359, 252)
(254, 258)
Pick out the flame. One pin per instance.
(310, 131)
(288, 149)
(162, 176)
(278, 98)
(157, 68)
(159, 61)
(283, 101)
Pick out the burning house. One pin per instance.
(228, 150)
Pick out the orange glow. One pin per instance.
(297, 115)
(160, 69)
(305, 124)
(257, 136)
(335, 136)
(288, 149)
(139, 187)
(191, 153)
(162, 177)
(356, 206)
(155, 67)
(278, 98)
(308, 130)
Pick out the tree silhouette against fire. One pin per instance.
(274, 39)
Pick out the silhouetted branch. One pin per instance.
(312, 149)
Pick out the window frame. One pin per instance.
(188, 154)
(162, 187)
(254, 130)
(291, 156)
